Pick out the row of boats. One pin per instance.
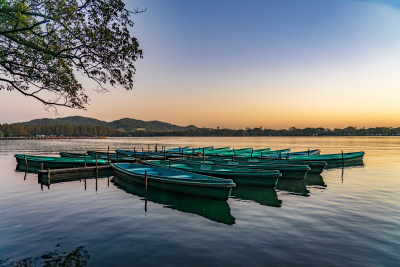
(206, 172)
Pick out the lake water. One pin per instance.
(348, 216)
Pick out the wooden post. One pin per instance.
(26, 161)
(134, 153)
(144, 155)
(48, 174)
(117, 157)
(165, 157)
(108, 154)
(309, 152)
(234, 152)
(170, 163)
(41, 166)
(96, 162)
(342, 159)
(156, 148)
(204, 157)
(145, 177)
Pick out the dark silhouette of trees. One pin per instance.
(45, 43)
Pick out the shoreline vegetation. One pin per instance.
(67, 131)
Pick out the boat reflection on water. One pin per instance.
(263, 196)
(346, 164)
(218, 211)
(24, 168)
(297, 187)
(314, 179)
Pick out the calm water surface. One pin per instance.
(347, 216)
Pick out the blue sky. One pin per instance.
(273, 63)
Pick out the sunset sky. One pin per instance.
(269, 63)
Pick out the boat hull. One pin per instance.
(56, 162)
(218, 192)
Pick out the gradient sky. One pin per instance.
(269, 63)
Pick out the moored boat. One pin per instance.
(176, 180)
(334, 159)
(56, 162)
(290, 171)
(253, 177)
(317, 167)
(147, 155)
(112, 157)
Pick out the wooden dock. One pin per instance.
(69, 174)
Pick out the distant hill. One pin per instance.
(125, 124)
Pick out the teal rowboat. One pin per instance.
(147, 155)
(289, 171)
(56, 162)
(334, 159)
(253, 177)
(176, 180)
(113, 157)
(317, 167)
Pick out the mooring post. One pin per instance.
(144, 155)
(342, 159)
(169, 163)
(156, 148)
(108, 154)
(85, 160)
(48, 175)
(234, 152)
(41, 166)
(26, 161)
(145, 177)
(96, 162)
(117, 157)
(309, 152)
(204, 157)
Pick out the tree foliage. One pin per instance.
(45, 44)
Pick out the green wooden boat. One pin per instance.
(56, 162)
(316, 167)
(247, 153)
(208, 151)
(176, 180)
(215, 210)
(253, 177)
(334, 159)
(146, 155)
(290, 171)
(113, 157)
